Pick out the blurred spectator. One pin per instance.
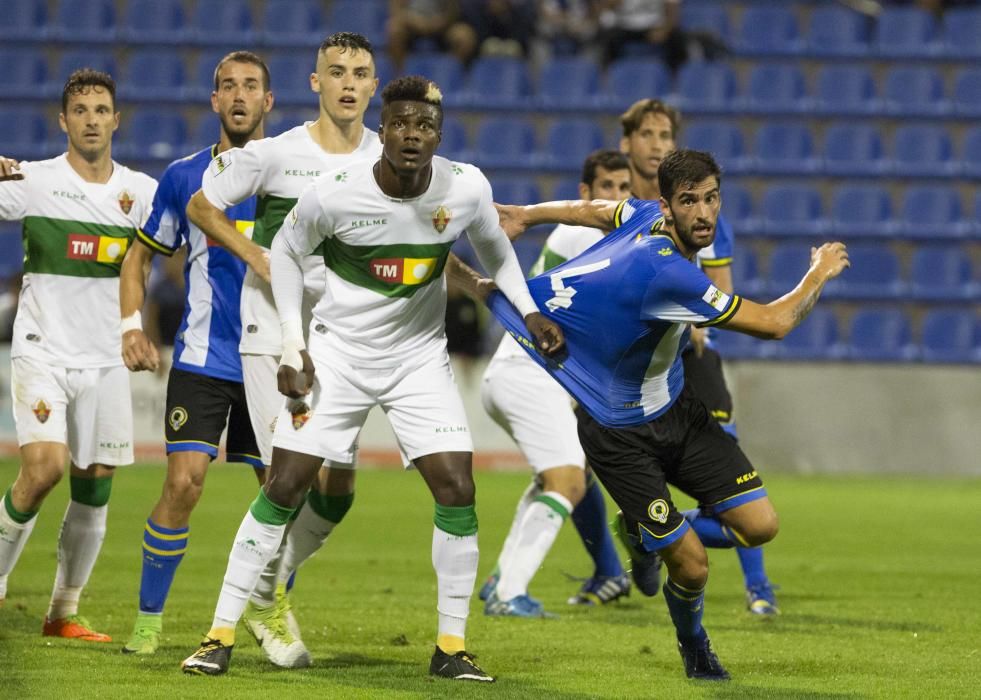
(645, 26)
(464, 335)
(568, 26)
(502, 27)
(413, 24)
(165, 300)
(9, 298)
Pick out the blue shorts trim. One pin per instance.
(193, 446)
(738, 500)
(253, 460)
(651, 542)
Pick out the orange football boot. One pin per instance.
(73, 627)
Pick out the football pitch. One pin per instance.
(880, 587)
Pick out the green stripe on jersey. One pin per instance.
(546, 261)
(74, 248)
(270, 212)
(393, 270)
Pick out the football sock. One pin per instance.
(536, 534)
(455, 557)
(533, 491)
(15, 529)
(82, 532)
(256, 542)
(163, 549)
(751, 559)
(589, 517)
(711, 531)
(685, 606)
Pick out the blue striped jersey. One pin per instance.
(211, 328)
(625, 306)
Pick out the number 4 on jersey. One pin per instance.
(563, 295)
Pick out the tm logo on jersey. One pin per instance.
(402, 270)
(103, 249)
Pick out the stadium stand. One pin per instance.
(878, 334)
(838, 32)
(85, 21)
(24, 19)
(815, 339)
(792, 210)
(505, 142)
(153, 22)
(853, 150)
(951, 335)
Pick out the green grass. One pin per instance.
(880, 583)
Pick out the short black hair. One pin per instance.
(685, 167)
(608, 159)
(351, 41)
(83, 80)
(413, 88)
(245, 57)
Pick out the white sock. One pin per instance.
(82, 532)
(264, 593)
(536, 534)
(455, 561)
(533, 491)
(305, 539)
(13, 537)
(255, 544)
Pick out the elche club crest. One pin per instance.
(41, 410)
(125, 201)
(300, 413)
(441, 218)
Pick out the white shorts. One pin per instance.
(263, 398)
(89, 410)
(422, 403)
(534, 410)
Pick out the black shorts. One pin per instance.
(683, 447)
(199, 407)
(704, 375)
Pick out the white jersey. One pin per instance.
(385, 297)
(75, 236)
(564, 243)
(276, 170)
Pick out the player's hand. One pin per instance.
(293, 382)
(10, 170)
(830, 260)
(484, 287)
(698, 338)
(513, 219)
(549, 339)
(139, 353)
(260, 264)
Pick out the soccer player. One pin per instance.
(204, 389)
(650, 132)
(638, 290)
(538, 415)
(71, 391)
(385, 228)
(275, 170)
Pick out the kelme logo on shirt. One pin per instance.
(409, 271)
(441, 218)
(103, 249)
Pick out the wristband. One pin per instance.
(133, 322)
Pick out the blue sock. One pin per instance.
(686, 607)
(163, 549)
(290, 582)
(710, 530)
(589, 518)
(751, 559)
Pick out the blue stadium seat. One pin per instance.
(153, 22)
(24, 20)
(838, 32)
(69, 61)
(499, 82)
(737, 206)
(792, 210)
(769, 30)
(785, 148)
(505, 142)
(283, 120)
(942, 273)
(971, 155)
(515, 190)
(366, 17)
(932, 212)
(566, 188)
(568, 142)
(722, 139)
(202, 77)
(384, 71)
(875, 273)
(906, 32)
(711, 18)
(290, 73)
(90, 21)
(453, 144)
(151, 133)
(863, 211)
(814, 339)
(951, 335)
(877, 335)
(845, 90)
(915, 91)
(746, 278)
(153, 74)
(776, 88)
(569, 83)
(11, 250)
(445, 70)
(853, 150)
(739, 346)
(786, 265)
(233, 16)
(23, 75)
(967, 92)
(24, 134)
(632, 79)
(707, 87)
(293, 23)
(961, 29)
(923, 150)
(528, 249)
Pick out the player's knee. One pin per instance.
(570, 482)
(182, 490)
(762, 529)
(36, 483)
(691, 571)
(455, 489)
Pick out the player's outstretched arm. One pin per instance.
(776, 319)
(597, 213)
(10, 169)
(218, 227)
(464, 278)
(138, 352)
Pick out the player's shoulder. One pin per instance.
(570, 241)
(140, 181)
(190, 167)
